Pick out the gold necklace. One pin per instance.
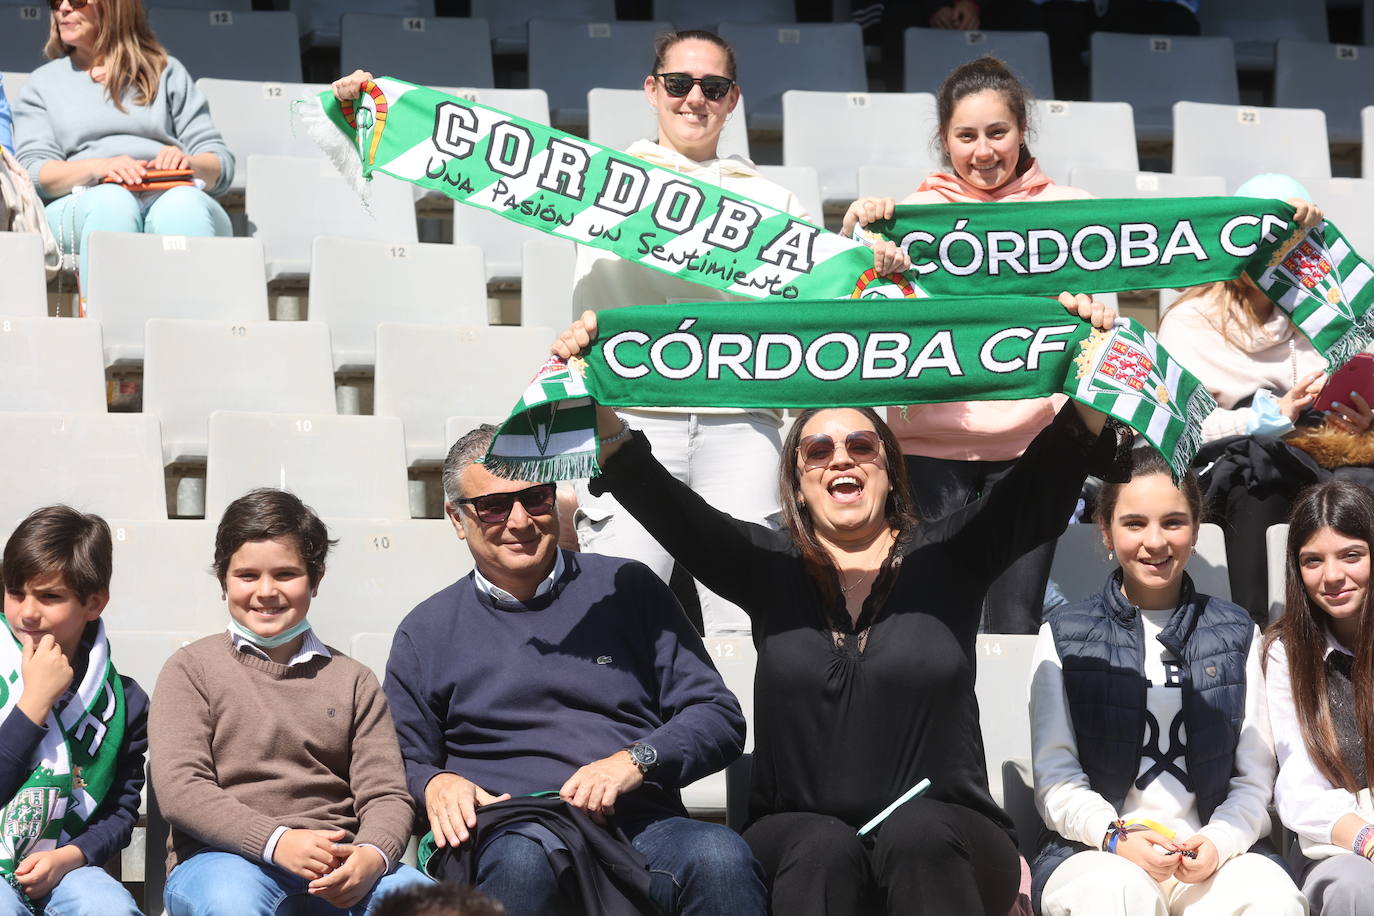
(846, 589)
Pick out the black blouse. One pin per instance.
(843, 726)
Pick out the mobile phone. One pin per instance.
(1356, 375)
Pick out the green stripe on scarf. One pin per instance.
(804, 354)
(569, 187)
(1041, 249)
(74, 767)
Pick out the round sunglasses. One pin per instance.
(862, 446)
(678, 85)
(496, 507)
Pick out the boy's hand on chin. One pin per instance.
(349, 883)
(46, 673)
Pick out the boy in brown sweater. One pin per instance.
(273, 756)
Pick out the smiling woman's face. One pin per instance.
(846, 498)
(691, 124)
(984, 140)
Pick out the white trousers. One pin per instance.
(731, 460)
(1100, 884)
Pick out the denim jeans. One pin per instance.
(111, 208)
(215, 883)
(85, 891)
(697, 869)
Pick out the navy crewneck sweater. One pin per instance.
(517, 699)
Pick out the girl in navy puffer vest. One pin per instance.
(1153, 762)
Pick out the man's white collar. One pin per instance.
(502, 597)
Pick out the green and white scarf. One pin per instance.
(1041, 249)
(572, 188)
(803, 354)
(74, 766)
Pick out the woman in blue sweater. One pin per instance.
(1153, 762)
(109, 108)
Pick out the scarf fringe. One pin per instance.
(1200, 405)
(555, 467)
(308, 114)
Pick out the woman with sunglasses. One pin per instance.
(865, 624)
(1319, 677)
(725, 455)
(957, 450)
(109, 109)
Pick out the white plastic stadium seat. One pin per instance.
(96, 462)
(510, 19)
(893, 181)
(1334, 78)
(290, 200)
(735, 658)
(1367, 140)
(50, 364)
(1255, 26)
(427, 373)
(23, 32)
(141, 654)
(1059, 128)
(1081, 565)
(569, 57)
(162, 577)
(135, 276)
(13, 82)
(1130, 183)
(823, 56)
(255, 119)
(1349, 203)
(547, 283)
(502, 241)
(25, 290)
(1238, 142)
(709, 14)
(803, 181)
(421, 283)
(1276, 548)
(379, 570)
(1152, 72)
(231, 44)
(429, 51)
(320, 19)
(1002, 686)
(346, 466)
(456, 428)
(196, 367)
(618, 117)
(930, 54)
(838, 132)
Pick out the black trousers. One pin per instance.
(1016, 601)
(930, 858)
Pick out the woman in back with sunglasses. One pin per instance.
(724, 455)
(96, 124)
(865, 623)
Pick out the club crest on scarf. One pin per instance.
(1305, 263)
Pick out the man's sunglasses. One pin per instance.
(862, 446)
(74, 4)
(678, 85)
(495, 507)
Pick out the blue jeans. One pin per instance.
(110, 208)
(697, 869)
(85, 891)
(214, 883)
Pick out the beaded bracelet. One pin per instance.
(1362, 845)
(624, 433)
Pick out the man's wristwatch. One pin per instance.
(644, 756)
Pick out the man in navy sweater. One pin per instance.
(545, 671)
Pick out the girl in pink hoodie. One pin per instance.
(956, 451)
